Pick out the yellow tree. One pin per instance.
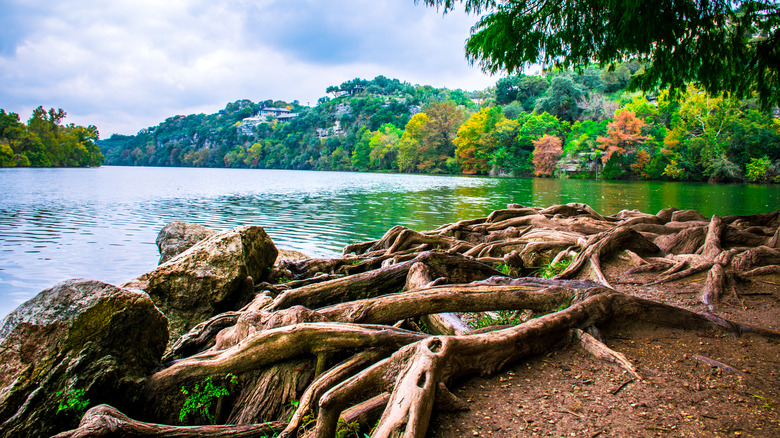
(475, 142)
(410, 148)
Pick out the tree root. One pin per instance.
(602, 244)
(106, 421)
(335, 342)
(600, 351)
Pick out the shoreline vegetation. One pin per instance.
(46, 142)
(230, 330)
(572, 124)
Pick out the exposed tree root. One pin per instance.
(106, 421)
(601, 351)
(331, 338)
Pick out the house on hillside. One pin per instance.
(281, 114)
(334, 130)
(248, 125)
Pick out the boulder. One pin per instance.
(78, 335)
(177, 237)
(213, 276)
(290, 255)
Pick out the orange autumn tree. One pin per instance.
(623, 134)
(547, 151)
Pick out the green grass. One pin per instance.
(502, 317)
(554, 268)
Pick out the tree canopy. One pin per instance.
(45, 142)
(725, 46)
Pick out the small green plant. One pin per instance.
(501, 317)
(505, 269)
(554, 268)
(563, 305)
(306, 421)
(72, 401)
(200, 400)
(422, 325)
(351, 430)
(282, 279)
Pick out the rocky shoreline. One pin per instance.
(313, 341)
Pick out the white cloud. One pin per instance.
(126, 65)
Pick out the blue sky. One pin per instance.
(124, 65)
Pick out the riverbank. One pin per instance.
(652, 293)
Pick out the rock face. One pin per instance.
(210, 277)
(78, 335)
(177, 237)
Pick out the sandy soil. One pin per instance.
(694, 383)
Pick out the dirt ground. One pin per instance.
(694, 384)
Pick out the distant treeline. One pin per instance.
(45, 142)
(574, 124)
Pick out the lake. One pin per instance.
(101, 223)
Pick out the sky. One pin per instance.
(124, 65)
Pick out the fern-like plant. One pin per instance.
(201, 399)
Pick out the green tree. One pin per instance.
(515, 141)
(384, 147)
(699, 138)
(562, 99)
(360, 156)
(444, 119)
(507, 89)
(761, 170)
(44, 142)
(727, 46)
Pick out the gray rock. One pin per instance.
(78, 335)
(290, 255)
(211, 277)
(177, 237)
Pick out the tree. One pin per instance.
(623, 133)
(411, 156)
(475, 142)
(515, 141)
(562, 99)
(507, 88)
(727, 46)
(6, 154)
(547, 152)
(44, 142)
(360, 156)
(384, 147)
(360, 334)
(699, 139)
(444, 119)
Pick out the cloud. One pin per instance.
(125, 65)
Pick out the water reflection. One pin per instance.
(102, 223)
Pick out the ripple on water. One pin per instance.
(107, 231)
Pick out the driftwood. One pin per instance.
(357, 339)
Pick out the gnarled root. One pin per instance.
(106, 421)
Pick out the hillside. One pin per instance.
(574, 124)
